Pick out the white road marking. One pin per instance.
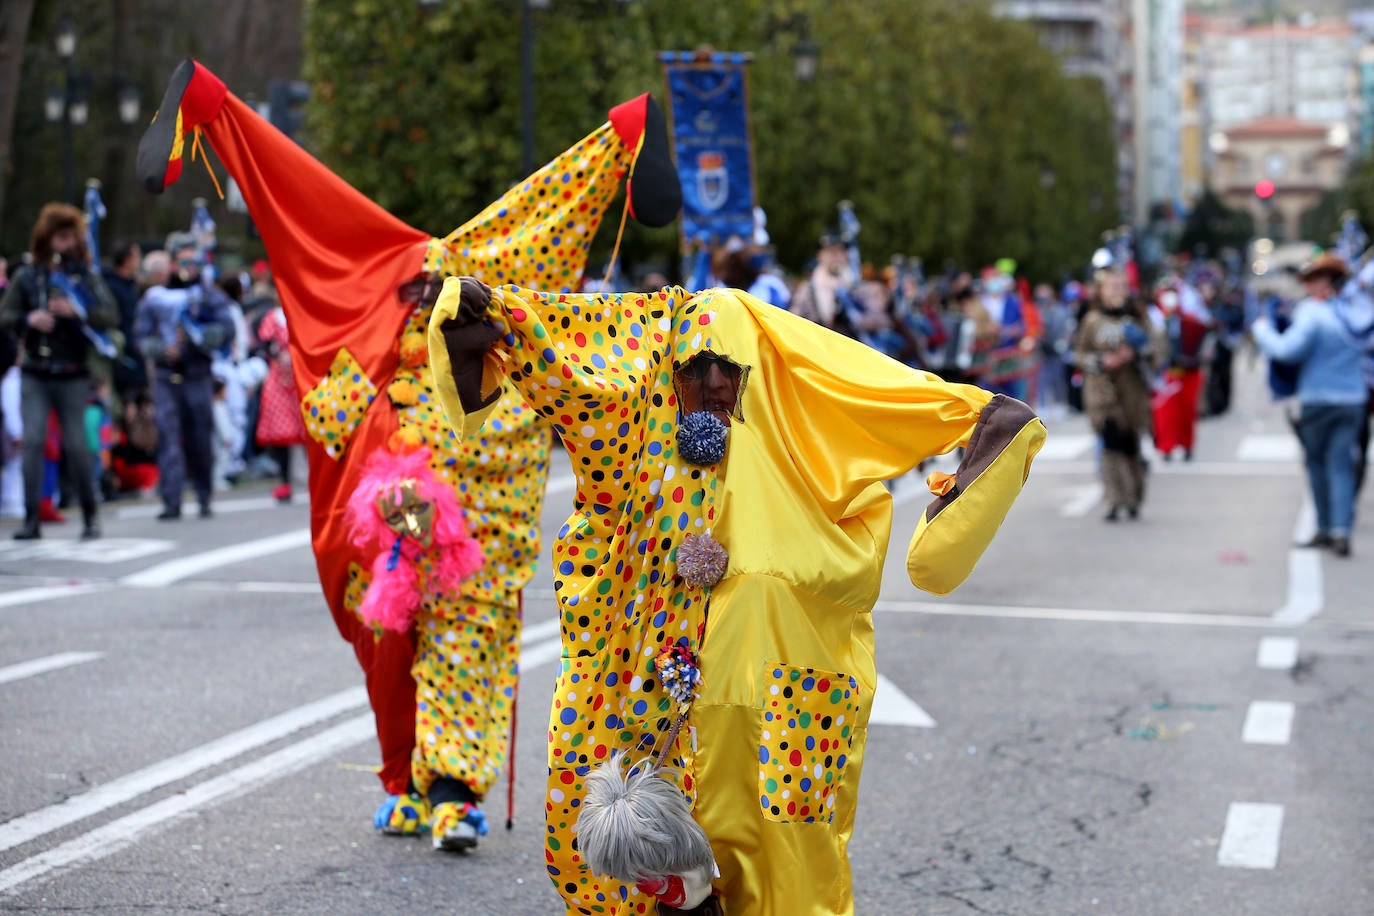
(36, 823)
(532, 656)
(892, 707)
(26, 827)
(1280, 447)
(1179, 468)
(185, 567)
(44, 665)
(106, 550)
(1087, 498)
(1278, 653)
(1082, 615)
(123, 832)
(44, 593)
(1251, 837)
(1066, 447)
(222, 507)
(280, 588)
(1268, 722)
(561, 484)
(1305, 592)
(541, 630)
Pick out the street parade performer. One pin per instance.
(423, 539)
(716, 580)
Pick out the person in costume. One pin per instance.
(1175, 404)
(280, 427)
(1116, 348)
(352, 281)
(716, 578)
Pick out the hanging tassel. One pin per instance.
(395, 559)
(195, 145)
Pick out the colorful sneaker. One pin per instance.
(402, 815)
(457, 825)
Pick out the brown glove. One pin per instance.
(467, 338)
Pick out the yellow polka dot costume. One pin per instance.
(350, 277)
(773, 749)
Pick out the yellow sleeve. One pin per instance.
(851, 416)
(848, 415)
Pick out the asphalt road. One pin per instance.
(1171, 716)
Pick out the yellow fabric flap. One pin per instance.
(493, 366)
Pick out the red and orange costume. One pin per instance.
(351, 279)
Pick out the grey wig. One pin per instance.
(635, 825)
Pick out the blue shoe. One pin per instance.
(402, 815)
(457, 825)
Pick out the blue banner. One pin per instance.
(710, 110)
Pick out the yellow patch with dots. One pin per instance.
(336, 405)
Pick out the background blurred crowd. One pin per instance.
(146, 374)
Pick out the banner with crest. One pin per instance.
(709, 105)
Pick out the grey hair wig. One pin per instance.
(635, 825)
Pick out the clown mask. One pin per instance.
(406, 512)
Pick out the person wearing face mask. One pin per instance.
(1116, 348)
(57, 306)
(180, 324)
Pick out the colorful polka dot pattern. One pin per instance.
(599, 368)
(464, 673)
(333, 409)
(805, 742)
(538, 234)
(467, 658)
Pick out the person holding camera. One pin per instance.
(56, 308)
(181, 322)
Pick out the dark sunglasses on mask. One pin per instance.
(699, 367)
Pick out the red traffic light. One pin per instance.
(1264, 189)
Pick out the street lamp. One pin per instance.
(129, 105)
(69, 104)
(1048, 178)
(806, 59)
(806, 54)
(958, 136)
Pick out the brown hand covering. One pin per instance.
(998, 424)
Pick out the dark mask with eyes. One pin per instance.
(712, 383)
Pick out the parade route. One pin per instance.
(1129, 718)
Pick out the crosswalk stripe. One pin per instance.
(1269, 447)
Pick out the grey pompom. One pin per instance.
(635, 825)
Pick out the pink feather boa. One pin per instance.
(393, 596)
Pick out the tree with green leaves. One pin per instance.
(420, 107)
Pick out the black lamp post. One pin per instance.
(958, 137)
(1048, 177)
(806, 54)
(69, 104)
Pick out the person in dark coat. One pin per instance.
(57, 307)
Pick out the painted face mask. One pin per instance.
(406, 512)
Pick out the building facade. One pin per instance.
(1135, 48)
(1302, 71)
(1297, 159)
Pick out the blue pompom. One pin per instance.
(701, 438)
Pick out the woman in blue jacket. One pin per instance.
(1326, 341)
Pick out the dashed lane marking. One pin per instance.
(44, 665)
(1271, 447)
(1251, 836)
(1278, 653)
(121, 833)
(1268, 722)
(893, 707)
(45, 593)
(185, 567)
